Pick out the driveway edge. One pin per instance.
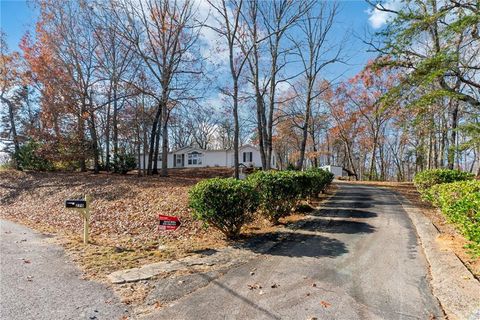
(452, 283)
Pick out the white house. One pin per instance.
(193, 157)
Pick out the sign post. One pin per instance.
(83, 206)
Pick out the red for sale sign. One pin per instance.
(168, 222)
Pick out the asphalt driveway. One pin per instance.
(358, 258)
(37, 281)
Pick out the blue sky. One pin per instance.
(17, 17)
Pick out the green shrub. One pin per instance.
(428, 178)
(28, 158)
(124, 162)
(319, 180)
(227, 204)
(460, 203)
(278, 192)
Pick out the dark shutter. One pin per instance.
(244, 157)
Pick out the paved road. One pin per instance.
(358, 258)
(37, 281)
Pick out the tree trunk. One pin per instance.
(153, 136)
(314, 145)
(453, 136)
(373, 160)
(164, 172)
(115, 124)
(271, 110)
(350, 160)
(303, 144)
(107, 139)
(13, 128)
(81, 138)
(96, 153)
(236, 130)
(157, 145)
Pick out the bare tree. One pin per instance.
(162, 33)
(116, 67)
(9, 81)
(229, 18)
(316, 52)
(268, 23)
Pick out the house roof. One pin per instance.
(209, 150)
(193, 148)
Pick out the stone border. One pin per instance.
(452, 283)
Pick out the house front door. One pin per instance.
(179, 160)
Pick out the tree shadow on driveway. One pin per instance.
(349, 204)
(294, 244)
(346, 213)
(338, 226)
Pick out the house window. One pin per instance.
(179, 160)
(247, 157)
(195, 158)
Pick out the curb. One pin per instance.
(452, 283)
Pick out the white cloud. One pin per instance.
(379, 18)
(210, 37)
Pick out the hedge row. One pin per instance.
(228, 203)
(459, 201)
(426, 179)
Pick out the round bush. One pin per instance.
(278, 192)
(319, 180)
(227, 204)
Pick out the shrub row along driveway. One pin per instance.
(358, 258)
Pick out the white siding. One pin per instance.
(337, 171)
(213, 158)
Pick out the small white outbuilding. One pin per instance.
(337, 171)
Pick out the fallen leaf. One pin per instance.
(274, 285)
(26, 260)
(314, 285)
(254, 286)
(325, 304)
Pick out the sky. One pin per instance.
(356, 18)
(16, 18)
